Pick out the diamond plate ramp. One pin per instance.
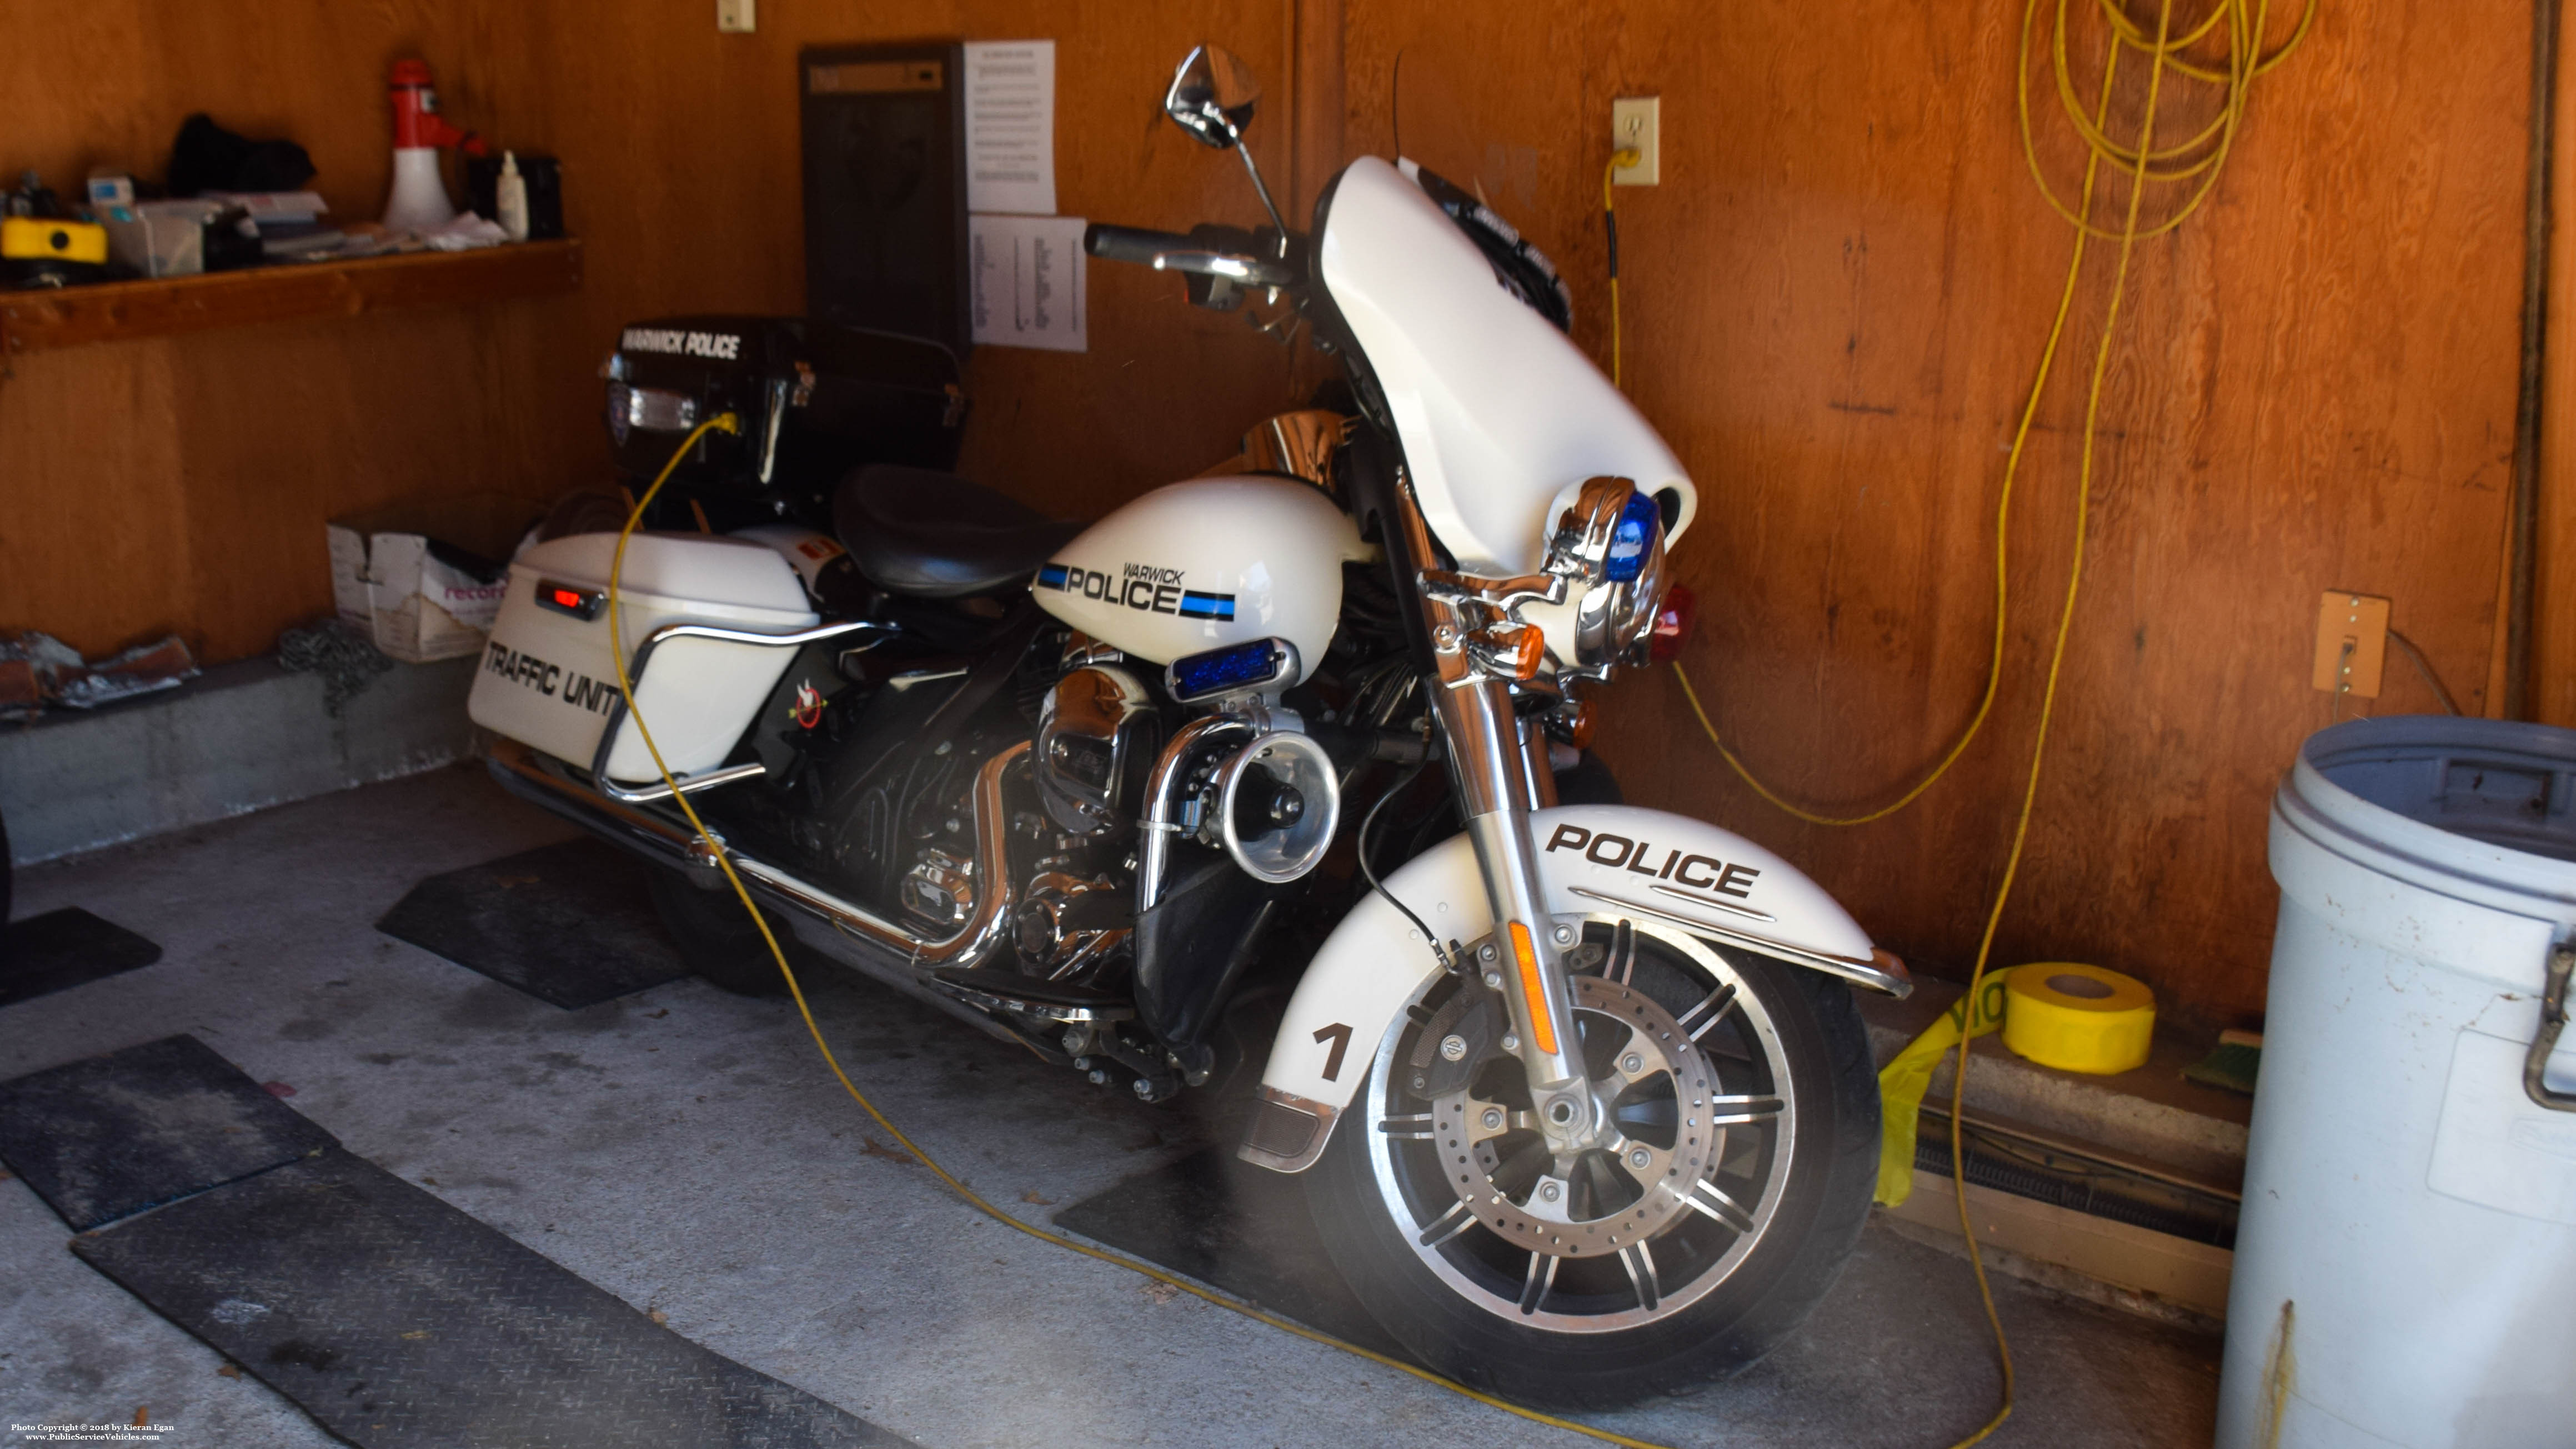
(570, 924)
(399, 1322)
(108, 1136)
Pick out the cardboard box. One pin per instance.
(425, 577)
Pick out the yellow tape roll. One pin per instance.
(2078, 1018)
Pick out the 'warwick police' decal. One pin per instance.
(1143, 587)
(724, 346)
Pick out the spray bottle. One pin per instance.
(510, 198)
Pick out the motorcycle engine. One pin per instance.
(1098, 733)
(1069, 923)
(1254, 787)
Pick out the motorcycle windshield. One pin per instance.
(1500, 415)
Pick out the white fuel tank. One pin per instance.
(1206, 563)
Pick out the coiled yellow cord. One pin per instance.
(729, 423)
(2202, 156)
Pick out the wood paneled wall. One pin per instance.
(1833, 305)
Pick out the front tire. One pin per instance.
(1414, 1199)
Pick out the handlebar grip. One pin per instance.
(1132, 244)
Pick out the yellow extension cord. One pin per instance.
(2164, 51)
(1610, 222)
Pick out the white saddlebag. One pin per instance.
(547, 679)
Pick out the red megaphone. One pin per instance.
(419, 200)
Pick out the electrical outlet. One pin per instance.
(2352, 644)
(1635, 126)
(737, 17)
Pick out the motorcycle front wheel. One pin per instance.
(1717, 1205)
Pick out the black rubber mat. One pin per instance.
(397, 1321)
(65, 948)
(570, 924)
(1242, 1228)
(109, 1136)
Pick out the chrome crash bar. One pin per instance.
(1163, 803)
(973, 939)
(709, 779)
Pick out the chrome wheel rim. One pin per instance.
(1700, 1127)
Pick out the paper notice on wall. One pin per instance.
(1029, 282)
(1010, 126)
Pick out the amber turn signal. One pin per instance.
(1514, 651)
(1533, 996)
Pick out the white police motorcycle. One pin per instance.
(1578, 1091)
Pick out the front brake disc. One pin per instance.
(1466, 1130)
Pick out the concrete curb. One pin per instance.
(242, 737)
(2151, 1114)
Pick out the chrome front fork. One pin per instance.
(1501, 769)
(1524, 958)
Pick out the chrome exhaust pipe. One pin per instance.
(854, 935)
(1161, 825)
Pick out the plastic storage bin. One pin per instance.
(2406, 1261)
(548, 680)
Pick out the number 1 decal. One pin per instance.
(1340, 1036)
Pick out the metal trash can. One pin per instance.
(2406, 1260)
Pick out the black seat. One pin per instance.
(936, 536)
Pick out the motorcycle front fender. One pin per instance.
(1594, 860)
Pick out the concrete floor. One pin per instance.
(687, 1151)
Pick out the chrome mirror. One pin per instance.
(1213, 96)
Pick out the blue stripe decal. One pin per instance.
(1195, 605)
(1052, 576)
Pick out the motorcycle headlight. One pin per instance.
(1610, 548)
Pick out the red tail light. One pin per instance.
(583, 604)
(1672, 625)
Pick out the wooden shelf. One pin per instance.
(33, 321)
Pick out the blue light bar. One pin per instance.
(1231, 670)
(1635, 533)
